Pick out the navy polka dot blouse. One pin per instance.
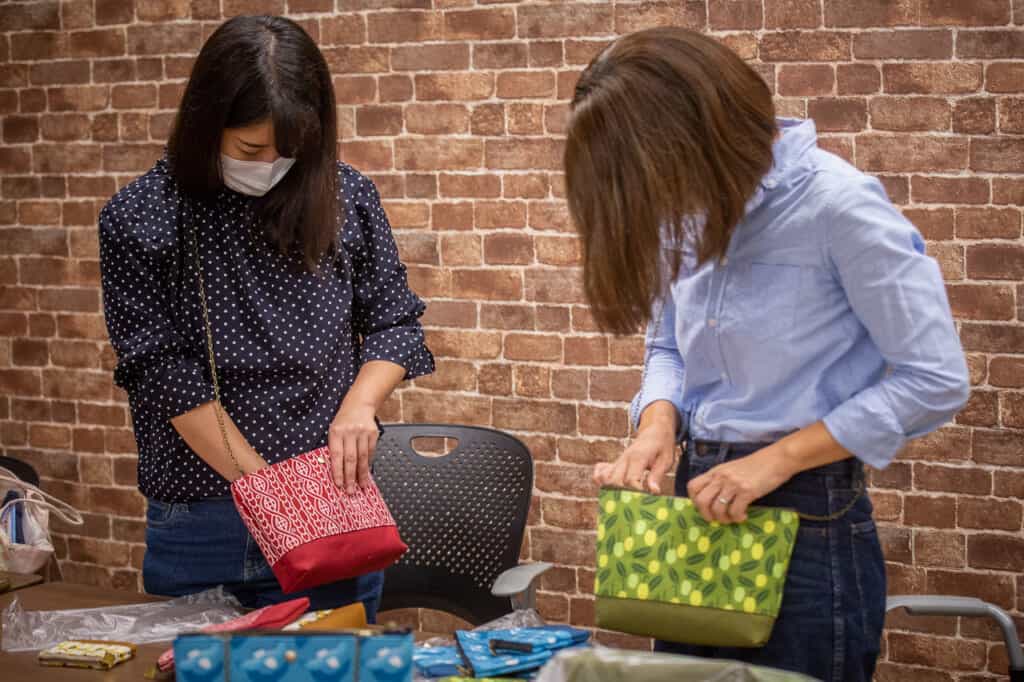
(288, 342)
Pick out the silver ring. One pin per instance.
(722, 500)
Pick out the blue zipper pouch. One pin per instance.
(495, 653)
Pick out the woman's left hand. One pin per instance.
(723, 493)
(352, 439)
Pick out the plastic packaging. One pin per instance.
(136, 623)
(618, 665)
(520, 618)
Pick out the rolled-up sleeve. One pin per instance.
(663, 371)
(386, 312)
(153, 365)
(899, 296)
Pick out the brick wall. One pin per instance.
(456, 109)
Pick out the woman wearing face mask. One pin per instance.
(796, 328)
(313, 321)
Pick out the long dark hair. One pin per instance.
(667, 125)
(251, 69)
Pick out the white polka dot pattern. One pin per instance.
(288, 343)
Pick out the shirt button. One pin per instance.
(712, 322)
(724, 261)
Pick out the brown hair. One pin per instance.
(667, 126)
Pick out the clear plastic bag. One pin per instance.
(520, 618)
(137, 623)
(600, 664)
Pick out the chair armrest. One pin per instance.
(937, 605)
(519, 584)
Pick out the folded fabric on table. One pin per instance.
(504, 652)
(437, 661)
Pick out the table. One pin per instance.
(20, 580)
(52, 596)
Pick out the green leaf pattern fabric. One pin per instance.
(660, 548)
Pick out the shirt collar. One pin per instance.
(796, 138)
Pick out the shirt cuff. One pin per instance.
(401, 346)
(867, 429)
(169, 389)
(652, 394)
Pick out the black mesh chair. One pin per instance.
(22, 470)
(463, 515)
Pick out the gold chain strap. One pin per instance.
(842, 512)
(218, 406)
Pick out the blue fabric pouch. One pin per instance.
(494, 653)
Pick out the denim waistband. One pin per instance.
(850, 469)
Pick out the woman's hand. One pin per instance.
(644, 463)
(352, 439)
(723, 493)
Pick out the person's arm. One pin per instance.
(657, 411)
(155, 367)
(898, 294)
(385, 314)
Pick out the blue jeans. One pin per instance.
(833, 607)
(194, 546)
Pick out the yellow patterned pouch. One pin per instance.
(665, 572)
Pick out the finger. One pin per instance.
(705, 499)
(738, 508)
(721, 504)
(617, 474)
(363, 460)
(351, 454)
(661, 466)
(635, 473)
(697, 484)
(601, 470)
(336, 446)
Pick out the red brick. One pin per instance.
(452, 216)
(394, 88)
(451, 314)
(1000, 552)
(526, 185)
(546, 53)
(997, 155)
(735, 14)
(944, 653)
(464, 344)
(1000, 448)
(808, 79)
(358, 59)
(911, 153)
(583, 51)
(460, 249)
(342, 29)
(500, 56)
(454, 86)
(614, 385)
(572, 384)
(164, 39)
(32, 101)
(1009, 484)
(1011, 115)
(934, 511)
(553, 318)
(99, 43)
(554, 286)
(903, 45)
(49, 437)
(500, 285)
(908, 114)
(30, 353)
(934, 548)
(86, 98)
(495, 379)
(378, 120)
(482, 186)
(17, 298)
(38, 45)
(533, 347)
(135, 158)
(42, 325)
(952, 479)
(405, 27)
(525, 118)
(15, 160)
(515, 317)
(554, 21)
(356, 89)
(987, 44)
(367, 155)
(805, 46)
(434, 57)
(59, 72)
(987, 223)
(990, 338)
(508, 249)
(955, 13)
(870, 13)
(437, 119)
(133, 96)
(989, 514)
(113, 12)
(482, 24)
(559, 250)
(500, 214)
(838, 114)
(77, 14)
(996, 261)
(532, 381)
(523, 154)
(931, 189)
(980, 302)
(637, 16)
(30, 16)
(1005, 77)
(1007, 371)
(66, 127)
(976, 116)
(526, 84)
(600, 421)
(927, 78)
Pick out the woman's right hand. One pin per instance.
(644, 463)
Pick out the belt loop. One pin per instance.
(723, 452)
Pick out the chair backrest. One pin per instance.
(22, 470)
(462, 514)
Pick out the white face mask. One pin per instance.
(254, 178)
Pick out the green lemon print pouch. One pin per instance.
(665, 572)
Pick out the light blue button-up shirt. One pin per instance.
(825, 307)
